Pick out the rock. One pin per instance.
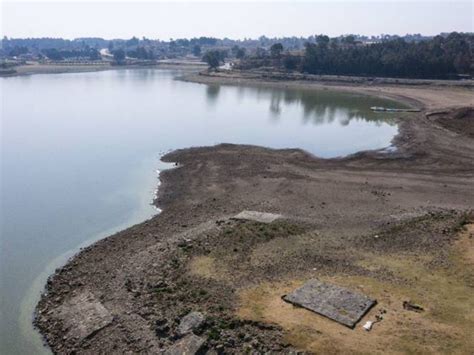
(410, 306)
(189, 345)
(190, 322)
(83, 316)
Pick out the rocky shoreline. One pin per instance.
(347, 220)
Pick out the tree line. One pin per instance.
(442, 56)
(439, 57)
(55, 54)
(171, 48)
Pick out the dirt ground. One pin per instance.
(396, 226)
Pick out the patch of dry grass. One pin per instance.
(244, 248)
(445, 326)
(204, 266)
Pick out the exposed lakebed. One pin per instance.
(79, 154)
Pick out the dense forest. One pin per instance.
(440, 57)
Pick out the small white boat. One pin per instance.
(387, 109)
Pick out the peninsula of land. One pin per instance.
(394, 225)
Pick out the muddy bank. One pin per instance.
(386, 224)
(426, 94)
(279, 75)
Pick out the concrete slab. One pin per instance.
(83, 315)
(334, 302)
(189, 345)
(256, 216)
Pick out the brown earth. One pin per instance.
(395, 226)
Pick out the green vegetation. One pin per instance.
(415, 56)
(197, 50)
(276, 50)
(119, 56)
(214, 58)
(439, 57)
(86, 52)
(141, 53)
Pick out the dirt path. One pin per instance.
(387, 224)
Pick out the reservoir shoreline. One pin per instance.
(135, 273)
(423, 94)
(33, 69)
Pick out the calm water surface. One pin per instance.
(79, 154)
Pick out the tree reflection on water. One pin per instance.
(319, 106)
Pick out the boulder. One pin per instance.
(83, 316)
(190, 322)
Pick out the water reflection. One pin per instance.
(318, 107)
(212, 93)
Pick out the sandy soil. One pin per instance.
(395, 226)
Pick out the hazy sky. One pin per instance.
(178, 19)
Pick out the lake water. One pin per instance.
(79, 154)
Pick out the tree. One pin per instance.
(119, 56)
(291, 62)
(141, 53)
(53, 54)
(173, 45)
(213, 58)
(197, 50)
(223, 54)
(322, 41)
(17, 51)
(235, 50)
(276, 50)
(240, 54)
(260, 52)
(132, 42)
(94, 54)
(350, 40)
(463, 63)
